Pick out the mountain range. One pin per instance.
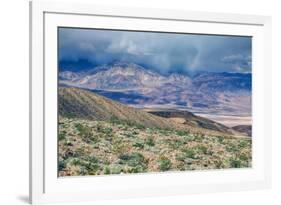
(140, 87)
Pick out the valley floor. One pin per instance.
(228, 120)
(114, 147)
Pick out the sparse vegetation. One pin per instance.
(164, 163)
(150, 141)
(89, 147)
(181, 133)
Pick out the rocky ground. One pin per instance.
(89, 147)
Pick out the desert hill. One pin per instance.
(247, 129)
(79, 103)
(193, 120)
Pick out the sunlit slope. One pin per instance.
(79, 103)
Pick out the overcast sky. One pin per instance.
(162, 52)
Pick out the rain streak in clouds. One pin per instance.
(161, 52)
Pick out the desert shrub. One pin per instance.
(61, 165)
(106, 170)
(220, 139)
(189, 153)
(188, 138)
(139, 144)
(232, 148)
(75, 161)
(243, 157)
(164, 131)
(119, 147)
(175, 143)
(129, 134)
(219, 164)
(62, 135)
(88, 164)
(99, 127)
(68, 143)
(116, 169)
(202, 148)
(164, 163)
(140, 127)
(107, 130)
(133, 159)
(180, 157)
(150, 141)
(84, 131)
(80, 151)
(125, 127)
(136, 169)
(181, 166)
(90, 159)
(243, 144)
(181, 133)
(115, 120)
(198, 137)
(83, 171)
(235, 163)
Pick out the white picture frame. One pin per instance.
(46, 187)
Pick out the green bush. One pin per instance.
(84, 131)
(198, 137)
(232, 148)
(219, 164)
(164, 163)
(116, 169)
(88, 164)
(106, 170)
(175, 143)
(164, 132)
(150, 141)
(220, 139)
(139, 145)
(129, 134)
(182, 133)
(119, 147)
(243, 157)
(115, 120)
(189, 153)
(202, 148)
(133, 159)
(107, 130)
(136, 169)
(180, 157)
(61, 165)
(140, 127)
(235, 163)
(62, 135)
(243, 144)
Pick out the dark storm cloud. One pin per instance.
(162, 52)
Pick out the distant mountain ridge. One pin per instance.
(133, 84)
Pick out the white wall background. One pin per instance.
(14, 100)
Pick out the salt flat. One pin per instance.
(228, 120)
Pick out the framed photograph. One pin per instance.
(129, 102)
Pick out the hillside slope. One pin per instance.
(247, 129)
(193, 120)
(78, 103)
